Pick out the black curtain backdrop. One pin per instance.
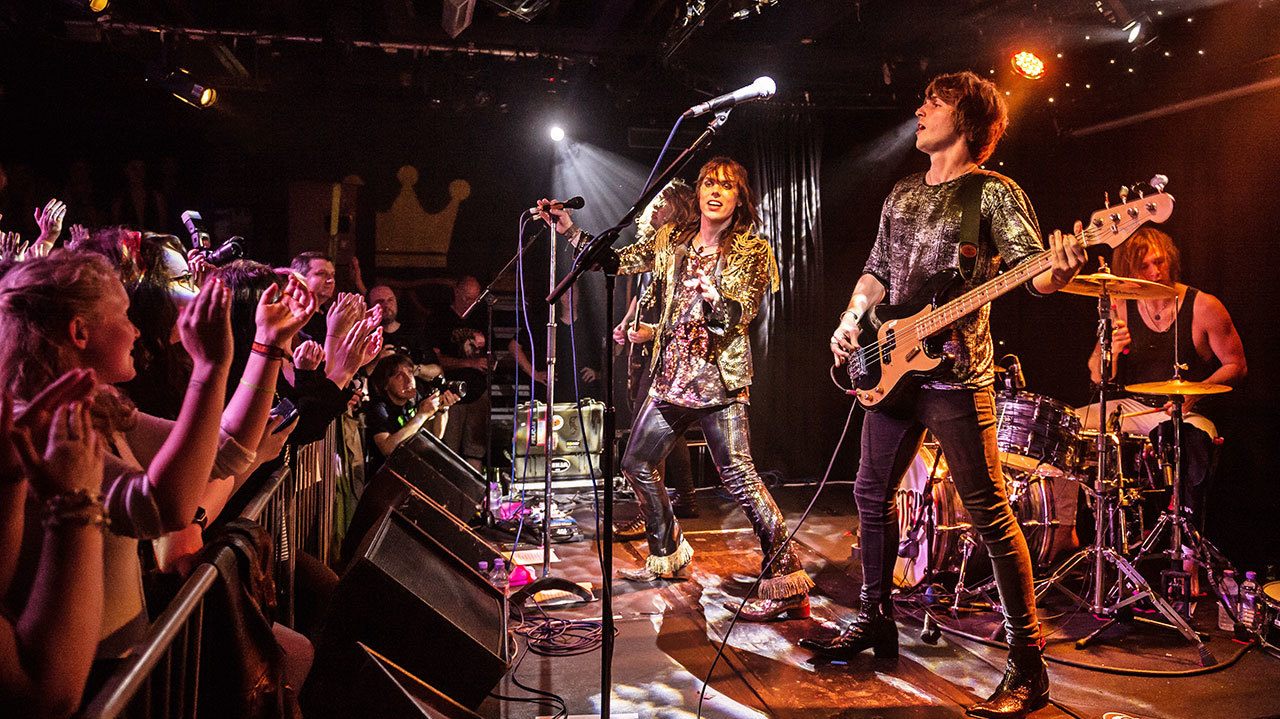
(786, 165)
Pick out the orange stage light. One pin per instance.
(1028, 65)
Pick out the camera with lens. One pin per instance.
(440, 384)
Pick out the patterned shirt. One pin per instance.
(920, 236)
(687, 374)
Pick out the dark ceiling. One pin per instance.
(650, 57)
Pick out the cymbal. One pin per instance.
(1178, 387)
(1120, 288)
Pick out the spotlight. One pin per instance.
(1140, 32)
(1028, 65)
(556, 133)
(183, 86)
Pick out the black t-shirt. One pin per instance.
(454, 336)
(381, 416)
(411, 343)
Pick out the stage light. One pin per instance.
(1028, 65)
(1140, 32)
(92, 6)
(183, 86)
(556, 133)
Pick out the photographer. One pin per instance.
(397, 412)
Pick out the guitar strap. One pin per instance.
(970, 197)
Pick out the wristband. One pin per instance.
(856, 317)
(253, 386)
(268, 351)
(80, 508)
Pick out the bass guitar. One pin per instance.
(906, 344)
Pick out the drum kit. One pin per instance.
(1048, 459)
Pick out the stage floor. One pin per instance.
(668, 634)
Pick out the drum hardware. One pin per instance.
(1130, 587)
(1182, 531)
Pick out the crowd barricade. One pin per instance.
(162, 677)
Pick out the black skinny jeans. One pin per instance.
(964, 423)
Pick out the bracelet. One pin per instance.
(268, 351)
(80, 508)
(253, 386)
(856, 316)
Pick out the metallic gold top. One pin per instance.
(745, 271)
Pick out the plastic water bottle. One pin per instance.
(495, 501)
(1250, 617)
(1231, 591)
(498, 576)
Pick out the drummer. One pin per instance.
(1143, 339)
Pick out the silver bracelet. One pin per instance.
(856, 317)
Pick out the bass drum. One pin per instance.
(930, 520)
(1046, 510)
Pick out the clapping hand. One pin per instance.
(205, 326)
(308, 355)
(282, 312)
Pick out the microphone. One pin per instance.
(762, 89)
(573, 203)
(1019, 381)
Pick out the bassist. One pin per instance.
(958, 125)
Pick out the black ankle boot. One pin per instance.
(874, 628)
(1024, 689)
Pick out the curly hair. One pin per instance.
(981, 114)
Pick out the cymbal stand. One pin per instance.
(1098, 555)
(1182, 531)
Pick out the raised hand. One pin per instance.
(705, 286)
(205, 326)
(282, 312)
(79, 233)
(50, 220)
(347, 309)
(12, 248)
(74, 386)
(308, 355)
(72, 457)
(358, 347)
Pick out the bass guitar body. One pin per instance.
(885, 370)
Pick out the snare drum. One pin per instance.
(930, 520)
(1271, 615)
(1035, 433)
(1138, 467)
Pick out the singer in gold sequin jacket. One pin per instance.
(746, 270)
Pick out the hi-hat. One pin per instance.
(1177, 387)
(1120, 288)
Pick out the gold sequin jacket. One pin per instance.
(747, 269)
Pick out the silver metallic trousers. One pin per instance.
(656, 428)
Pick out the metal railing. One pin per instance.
(162, 678)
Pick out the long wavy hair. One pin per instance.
(39, 299)
(678, 196)
(1127, 259)
(746, 216)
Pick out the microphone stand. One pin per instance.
(546, 581)
(599, 254)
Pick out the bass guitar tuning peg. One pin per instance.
(1124, 193)
(1106, 199)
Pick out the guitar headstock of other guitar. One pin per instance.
(1114, 224)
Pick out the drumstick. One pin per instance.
(1139, 413)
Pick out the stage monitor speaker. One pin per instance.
(438, 472)
(411, 600)
(381, 689)
(388, 491)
